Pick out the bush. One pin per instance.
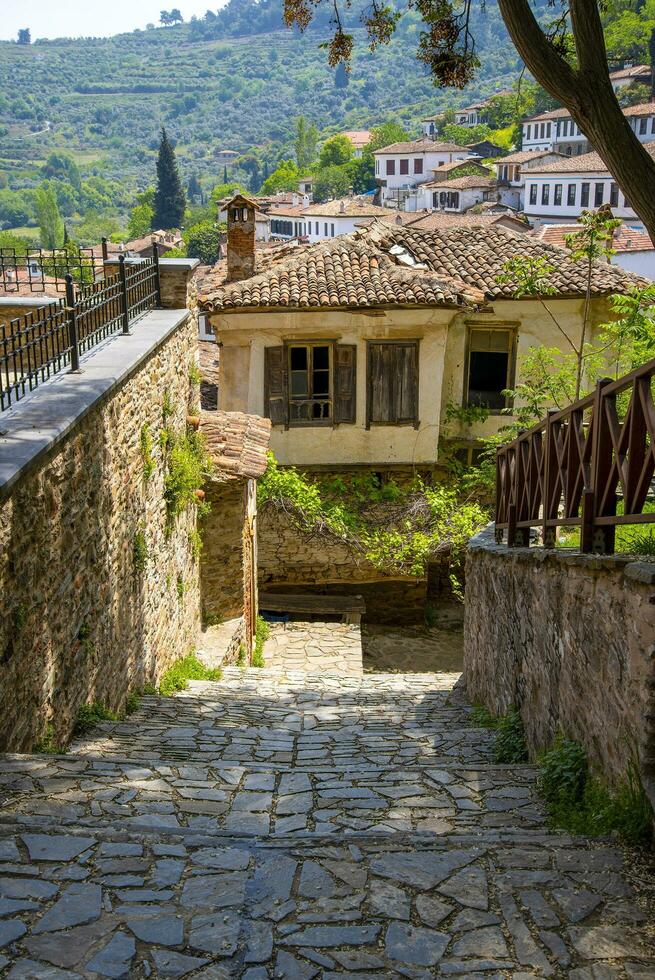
(202, 241)
(188, 467)
(187, 669)
(509, 746)
(90, 715)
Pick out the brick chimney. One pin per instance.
(241, 229)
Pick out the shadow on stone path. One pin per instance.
(298, 825)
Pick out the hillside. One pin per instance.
(214, 86)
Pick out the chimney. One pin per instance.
(240, 238)
(342, 207)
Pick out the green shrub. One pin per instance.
(48, 744)
(139, 552)
(188, 468)
(579, 802)
(187, 669)
(89, 715)
(132, 702)
(262, 633)
(195, 374)
(180, 587)
(195, 543)
(509, 746)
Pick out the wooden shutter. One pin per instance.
(405, 384)
(380, 367)
(345, 383)
(276, 386)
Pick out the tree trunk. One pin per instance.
(588, 95)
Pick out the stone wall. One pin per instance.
(570, 640)
(222, 554)
(291, 560)
(79, 621)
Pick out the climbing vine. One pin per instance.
(398, 529)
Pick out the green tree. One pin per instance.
(463, 135)
(305, 143)
(24, 36)
(140, 221)
(51, 226)
(62, 166)
(332, 182)
(284, 178)
(335, 151)
(202, 241)
(169, 202)
(193, 188)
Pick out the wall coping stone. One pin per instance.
(642, 572)
(188, 264)
(36, 425)
(30, 302)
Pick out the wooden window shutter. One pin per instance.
(380, 366)
(276, 385)
(405, 379)
(345, 383)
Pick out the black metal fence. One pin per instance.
(41, 270)
(44, 342)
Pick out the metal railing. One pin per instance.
(40, 270)
(589, 465)
(43, 342)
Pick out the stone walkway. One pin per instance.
(335, 648)
(296, 825)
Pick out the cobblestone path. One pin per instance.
(294, 825)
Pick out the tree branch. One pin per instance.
(548, 67)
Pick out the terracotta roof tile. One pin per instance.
(625, 239)
(464, 183)
(389, 265)
(584, 163)
(422, 146)
(237, 443)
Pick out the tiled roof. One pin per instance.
(464, 183)
(237, 443)
(389, 265)
(625, 239)
(422, 146)
(551, 114)
(446, 168)
(643, 109)
(584, 163)
(358, 137)
(352, 207)
(633, 71)
(438, 220)
(525, 156)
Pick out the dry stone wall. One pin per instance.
(79, 621)
(568, 639)
(223, 594)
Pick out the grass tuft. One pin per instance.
(48, 744)
(187, 669)
(89, 715)
(509, 747)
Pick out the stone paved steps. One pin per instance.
(373, 840)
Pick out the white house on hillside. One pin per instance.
(560, 191)
(400, 167)
(634, 250)
(511, 174)
(556, 131)
(317, 222)
(457, 194)
(630, 75)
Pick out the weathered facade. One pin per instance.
(358, 349)
(568, 639)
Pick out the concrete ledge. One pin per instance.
(29, 302)
(35, 426)
(187, 264)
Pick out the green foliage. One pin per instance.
(579, 802)
(170, 203)
(51, 226)
(465, 415)
(305, 144)
(48, 744)
(463, 135)
(188, 466)
(335, 151)
(332, 182)
(145, 448)
(262, 633)
(167, 406)
(195, 374)
(62, 166)
(89, 715)
(397, 530)
(202, 242)
(187, 669)
(241, 656)
(180, 587)
(140, 553)
(132, 702)
(195, 544)
(284, 178)
(140, 221)
(509, 746)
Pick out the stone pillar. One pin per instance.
(175, 276)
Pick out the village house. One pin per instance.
(510, 174)
(400, 167)
(355, 347)
(556, 131)
(630, 75)
(358, 138)
(426, 195)
(469, 116)
(458, 194)
(560, 191)
(634, 250)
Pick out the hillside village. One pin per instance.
(327, 645)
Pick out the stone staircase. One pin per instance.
(284, 824)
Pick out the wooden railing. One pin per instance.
(589, 465)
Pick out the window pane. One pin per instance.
(321, 357)
(299, 384)
(321, 384)
(487, 378)
(299, 358)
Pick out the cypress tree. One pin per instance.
(169, 196)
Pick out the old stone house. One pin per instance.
(237, 444)
(362, 350)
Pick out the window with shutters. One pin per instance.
(490, 367)
(404, 166)
(392, 383)
(310, 383)
(584, 195)
(533, 193)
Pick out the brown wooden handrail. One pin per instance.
(572, 468)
